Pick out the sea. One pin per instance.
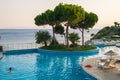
(9, 36)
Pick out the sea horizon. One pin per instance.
(28, 35)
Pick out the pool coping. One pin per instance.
(86, 52)
(69, 51)
(50, 52)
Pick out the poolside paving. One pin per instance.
(100, 74)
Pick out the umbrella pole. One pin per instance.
(111, 57)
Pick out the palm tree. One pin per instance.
(118, 24)
(74, 38)
(45, 18)
(115, 23)
(42, 37)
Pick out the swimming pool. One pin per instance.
(41, 66)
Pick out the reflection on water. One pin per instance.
(60, 68)
(36, 66)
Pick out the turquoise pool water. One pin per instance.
(39, 66)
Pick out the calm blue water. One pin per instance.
(17, 35)
(36, 66)
(28, 35)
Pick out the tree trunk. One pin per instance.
(53, 35)
(65, 39)
(73, 44)
(45, 43)
(67, 42)
(82, 36)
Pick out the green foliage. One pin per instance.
(54, 47)
(42, 37)
(102, 33)
(1, 48)
(64, 48)
(74, 38)
(115, 23)
(59, 29)
(91, 20)
(69, 13)
(54, 42)
(92, 34)
(88, 47)
(107, 32)
(45, 18)
(88, 22)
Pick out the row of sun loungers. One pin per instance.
(106, 64)
(104, 58)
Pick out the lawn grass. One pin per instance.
(64, 48)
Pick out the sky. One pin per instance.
(20, 14)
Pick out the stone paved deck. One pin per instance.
(101, 74)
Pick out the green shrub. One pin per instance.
(1, 48)
(54, 47)
(62, 47)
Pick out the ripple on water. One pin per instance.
(42, 67)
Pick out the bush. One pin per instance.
(73, 45)
(43, 37)
(54, 42)
(61, 47)
(1, 48)
(54, 47)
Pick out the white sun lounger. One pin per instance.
(110, 65)
(117, 59)
(103, 58)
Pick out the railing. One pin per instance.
(18, 46)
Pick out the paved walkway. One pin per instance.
(100, 74)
